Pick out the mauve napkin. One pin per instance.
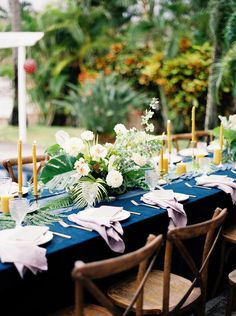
(223, 183)
(19, 246)
(102, 219)
(176, 213)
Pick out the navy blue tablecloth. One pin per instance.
(37, 295)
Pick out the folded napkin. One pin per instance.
(103, 220)
(19, 246)
(223, 183)
(166, 199)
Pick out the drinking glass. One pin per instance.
(18, 209)
(204, 165)
(90, 195)
(152, 179)
(5, 185)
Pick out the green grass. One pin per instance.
(44, 135)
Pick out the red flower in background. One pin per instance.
(30, 66)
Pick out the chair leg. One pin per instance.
(229, 300)
(221, 268)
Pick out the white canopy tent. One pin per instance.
(20, 40)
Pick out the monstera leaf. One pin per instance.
(59, 165)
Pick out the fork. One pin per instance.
(196, 186)
(64, 224)
(143, 204)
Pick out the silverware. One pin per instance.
(196, 186)
(64, 224)
(134, 213)
(144, 204)
(233, 171)
(61, 235)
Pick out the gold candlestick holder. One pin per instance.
(193, 146)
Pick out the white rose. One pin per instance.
(87, 135)
(114, 179)
(62, 138)
(74, 146)
(139, 160)
(120, 129)
(82, 167)
(98, 151)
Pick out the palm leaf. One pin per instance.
(62, 181)
(87, 186)
(57, 166)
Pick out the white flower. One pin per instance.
(62, 138)
(120, 129)
(111, 161)
(74, 146)
(98, 151)
(149, 127)
(114, 179)
(224, 121)
(138, 159)
(82, 167)
(87, 135)
(232, 121)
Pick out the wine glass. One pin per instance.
(5, 185)
(18, 209)
(151, 178)
(90, 195)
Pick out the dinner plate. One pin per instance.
(174, 159)
(118, 213)
(121, 216)
(164, 195)
(188, 152)
(45, 238)
(14, 189)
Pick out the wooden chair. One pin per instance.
(228, 243)
(8, 164)
(188, 137)
(231, 292)
(167, 293)
(84, 274)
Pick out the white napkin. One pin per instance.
(176, 213)
(19, 246)
(223, 183)
(102, 219)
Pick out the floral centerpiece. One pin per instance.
(229, 125)
(91, 171)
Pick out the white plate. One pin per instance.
(45, 238)
(188, 152)
(165, 195)
(14, 189)
(174, 158)
(121, 216)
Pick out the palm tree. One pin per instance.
(220, 12)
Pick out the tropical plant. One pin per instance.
(101, 103)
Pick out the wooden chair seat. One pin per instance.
(121, 292)
(229, 234)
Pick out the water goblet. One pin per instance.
(18, 209)
(204, 165)
(5, 185)
(90, 195)
(151, 178)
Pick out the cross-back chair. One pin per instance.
(166, 293)
(84, 275)
(9, 164)
(177, 138)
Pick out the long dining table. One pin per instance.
(47, 291)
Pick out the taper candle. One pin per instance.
(19, 167)
(221, 136)
(161, 160)
(35, 169)
(193, 125)
(169, 136)
(217, 156)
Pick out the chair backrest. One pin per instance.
(85, 273)
(8, 164)
(206, 135)
(176, 237)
